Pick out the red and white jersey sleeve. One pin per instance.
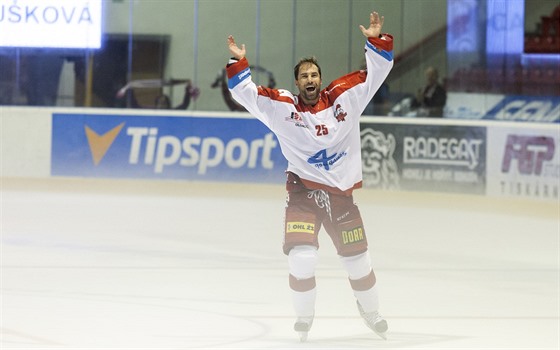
(322, 142)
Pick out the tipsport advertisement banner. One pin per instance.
(524, 162)
(420, 157)
(160, 147)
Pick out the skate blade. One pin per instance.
(302, 328)
(382, 335)
(383, 330)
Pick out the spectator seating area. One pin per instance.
(514, 81)
(518, 79)
(546, 38)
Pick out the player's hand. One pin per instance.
(375, 25)
(235, 50)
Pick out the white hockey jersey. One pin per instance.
(321, 142)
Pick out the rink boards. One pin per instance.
(494, 158)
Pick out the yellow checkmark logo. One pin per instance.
(100, 144)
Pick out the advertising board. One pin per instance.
(540, 109)
(160, 147)
(524, 162)
(544, 109)
(51, 23)
(441, 158)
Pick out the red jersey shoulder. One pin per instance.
(344, 83)
(279, 95)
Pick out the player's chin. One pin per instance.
(311, 95)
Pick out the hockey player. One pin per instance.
(319, 134)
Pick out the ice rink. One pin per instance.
(115, 264)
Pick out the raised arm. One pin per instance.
(236, 52)
(375, 25)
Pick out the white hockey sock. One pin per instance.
(369, 299)
(304, 302)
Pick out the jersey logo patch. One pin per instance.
(296, 119)
(295, 116)
(339, 113)
(322, 160)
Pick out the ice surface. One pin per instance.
(116, 264)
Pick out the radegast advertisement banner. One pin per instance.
(160, 147)
(438, 158)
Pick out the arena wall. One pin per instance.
(479, 157)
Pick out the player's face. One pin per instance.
(309, 83)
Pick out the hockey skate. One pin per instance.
(374, 321)
(302, 326)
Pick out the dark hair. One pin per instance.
(311, 60)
